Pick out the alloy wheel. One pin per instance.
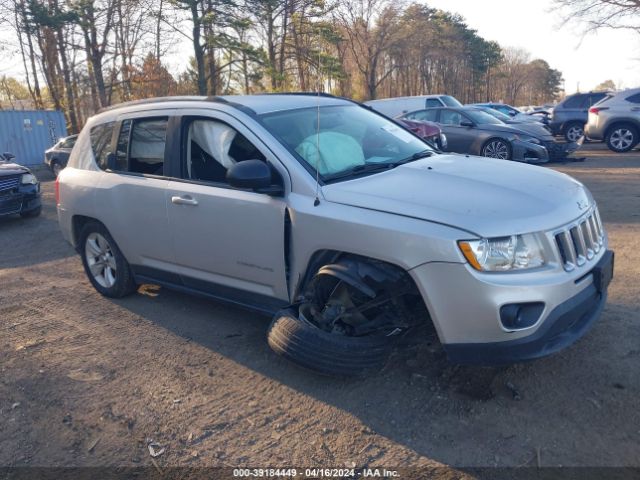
(496, 149)
(574, 133)
(100, 259)
(621, 139)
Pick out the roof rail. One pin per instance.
(145, 101)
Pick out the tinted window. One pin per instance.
(100, 142)
(212, 147)
(577, 101)
(595, 98)
(146, 149)
(428, 115)
(483, 118)
(450, 101)
(69, 142)
(433, 102)
(633, 98)
(449, 117)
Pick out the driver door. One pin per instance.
(459, 138)
(228, 243)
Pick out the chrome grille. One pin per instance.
(9, 183)
(579, 242)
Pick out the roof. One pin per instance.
(253, 104)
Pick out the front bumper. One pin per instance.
(466, 306)
(559, 151)
(529, 152)
(24, 199)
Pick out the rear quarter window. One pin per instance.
(101, 136)
(634, 98)
(574, 102)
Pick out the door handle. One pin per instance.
(635, 109)
(186, 200)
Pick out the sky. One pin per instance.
(585, 61)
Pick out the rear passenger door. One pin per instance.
(228, 242)
(132, 195)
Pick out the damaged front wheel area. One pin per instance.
(352, 315)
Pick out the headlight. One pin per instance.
(517, 252)
(28, 179)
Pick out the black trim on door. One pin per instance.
(252, 301)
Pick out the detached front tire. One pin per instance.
(104, 263)
(327, 353)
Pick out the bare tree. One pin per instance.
(597, 14)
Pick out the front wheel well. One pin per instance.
(321, 259)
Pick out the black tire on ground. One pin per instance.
(327, 353)
(573, 131)
(622, 137)
(124, 282)
(496, 143)
(31, 213)
(56, 168)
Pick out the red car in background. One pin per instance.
(428, 130)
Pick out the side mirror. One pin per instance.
(252, 174)
(512, 114)
(111, 161)
(8, 155)
(466, 123)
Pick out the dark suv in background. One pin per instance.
(569, 116)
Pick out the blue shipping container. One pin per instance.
(28, 133)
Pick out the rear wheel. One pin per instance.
(103, 262)
(497, 148)
(573, 132)
(622, 138)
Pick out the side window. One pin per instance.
(593, 99)
(146, 146)
(212, 147)
(69, 143)
(433, 102)
(449, 117)
(100, 141)
(427, 115)
(577, 101)
(634, 98)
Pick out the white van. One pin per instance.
(393, 107)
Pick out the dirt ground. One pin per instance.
(86, 381)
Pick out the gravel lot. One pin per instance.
(85, 381)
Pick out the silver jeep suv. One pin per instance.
(349, 229)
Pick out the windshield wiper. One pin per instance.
(376, 167)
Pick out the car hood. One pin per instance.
(530, 129)
(486, 197)
(7, 168)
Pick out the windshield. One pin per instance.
(449, 101)
(495, 113)
(482, 117)
(350, 138)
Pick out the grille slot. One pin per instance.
(579, 242)
(9, 183)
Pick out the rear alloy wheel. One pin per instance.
(622, 138)
(573, 132)
(497, 148)
(104, 264)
